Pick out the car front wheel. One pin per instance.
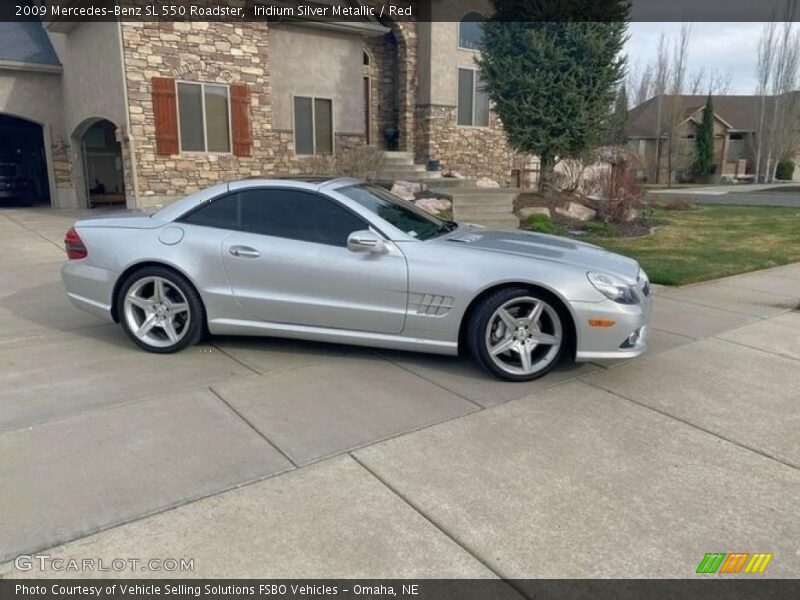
(160, 311)
(517, 334)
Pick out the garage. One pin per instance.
(23, 163)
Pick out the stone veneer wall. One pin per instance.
(472, 151)
(382, 72)
(229, 53)
(209, 52)
(62, 166)
(407, 82)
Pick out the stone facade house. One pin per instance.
(141, 113)
(736, 127)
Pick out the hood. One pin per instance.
(122, 220)
(546, 247)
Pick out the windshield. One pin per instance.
(400, 213)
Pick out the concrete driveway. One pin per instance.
(269, 458)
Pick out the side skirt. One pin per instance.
(335, 336)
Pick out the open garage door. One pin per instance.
(23, 163)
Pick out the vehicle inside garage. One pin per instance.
(23, 163)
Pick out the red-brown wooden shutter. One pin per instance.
(165, 109)
(240, 120)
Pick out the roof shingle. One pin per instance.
(741, 112)
(26, 42)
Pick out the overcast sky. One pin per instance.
(715, 46)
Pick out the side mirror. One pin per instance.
(365, 241)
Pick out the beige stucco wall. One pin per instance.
(309, 61)
(440, 56)
(92, 87)
(92, 78)
(34, 96)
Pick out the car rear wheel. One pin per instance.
(161, 311)
(517, 334)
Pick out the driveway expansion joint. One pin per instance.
(439, 527)
(431, 381)
(698, 427)
(253, 427)
(34, 232)
(234, 358)
(756, 348)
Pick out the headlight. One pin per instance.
(612, 288)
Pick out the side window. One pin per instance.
(298, 215)
(222, 213)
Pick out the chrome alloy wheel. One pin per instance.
(157, 312)
(523, 336)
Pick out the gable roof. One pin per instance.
(740, 112)
(26, 43)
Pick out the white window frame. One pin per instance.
(474, 100)
(458, 32)
(203, 85)
(313, 123)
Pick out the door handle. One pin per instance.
(244, 252)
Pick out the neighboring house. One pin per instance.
(736, 128)
(143, 113)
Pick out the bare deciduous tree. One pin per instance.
(715, 83)
(766, 56)
(661, 77)
(678, 156)
(720, 83)
(639, 85)
(777, 77)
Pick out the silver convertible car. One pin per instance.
(339, 260)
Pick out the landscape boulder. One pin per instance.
(407, 190)
(434, 205)
(526, 212)
(577, 211)
(485, 182)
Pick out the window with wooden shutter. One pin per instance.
(240, 120)
(165, 110)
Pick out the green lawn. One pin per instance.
(711, 242)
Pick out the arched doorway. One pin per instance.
(23, 163)
(101, 159)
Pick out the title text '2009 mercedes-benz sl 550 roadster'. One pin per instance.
(340, 260)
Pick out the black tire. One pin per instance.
(476, 331)
(196, 326)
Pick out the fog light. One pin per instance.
(633, 339)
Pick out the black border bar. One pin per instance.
(703, 587)
(382, 10)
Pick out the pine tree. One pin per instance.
(552, 73)
(704, 144)
(617, 134)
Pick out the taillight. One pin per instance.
(74, 246)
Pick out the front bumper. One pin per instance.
(626, 338)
